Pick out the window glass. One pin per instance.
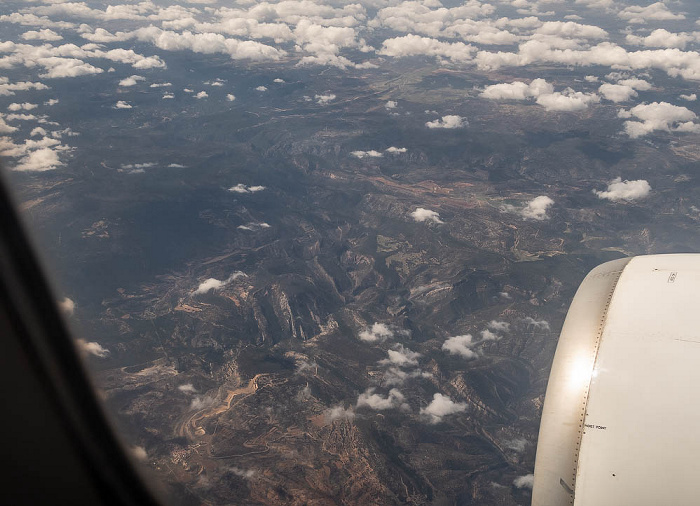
(319, 252)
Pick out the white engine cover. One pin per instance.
(622, 410)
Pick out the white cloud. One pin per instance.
(92, 348)
(44, 34)
(367, 154)
(637, 84)
(26, 106)
(7, 88)
(422, 215)
(187, 388)
(324, 99)
(160, 85)
(216, 284)
(230, 97)
(662, 38)
(659, 116)
(536, 209)
(131, 80)
(543, 93)
(338, 413)
(692, 97)
(67, 306)
(617, 92)
(278, 80)
(378, 332)
(5, 128)
(655, 12)
(391, 104)
(517, 445)
(538, 324)
(122, 105)
(261, 88)
(460, 345)
(394, 400)
(40, 160)
(395, 150)
(201, 402)
(498, 326)
(441, 406)
(242, 188)
(526, 481)
(253, 226)
(50, 102)
(625, 190)
(449, 121)
(401, 356)
(201, 94)
(139, 453)
(487, 335)
(168, 96)
(394, 376)
(571, 30)
(415, 45)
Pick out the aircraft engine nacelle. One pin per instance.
(621, 418)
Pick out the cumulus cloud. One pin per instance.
(498, 326)
(261, 88)
(67, 306)
(44, 34)
(377, 333)
(659, 116)
(658, 11)
(460, 345)
(187, 388)
(401, 356)
(230, 97)
(536, 209)
(395, 150)
(442, 406)
(617, 92)
(488, 335)
(40, 160)
(517, 445)
(26, 106)
(422, 215)
(242, 188)
(449, 121)
(7, 88)
(324, 99)
(415, 45)
(216, 284)
(367, 154)
(139, 453)
(92, 348)
(201, 402)
(394, 400)
(538, 324)
(131, 81)
(625, 190)
(253, 226)
(662, 38)
(526, 481)
(123, 105)
(394, 376)
(692, 97)
(338, 413)
(391, 104)
(543, 93)
(201, 94)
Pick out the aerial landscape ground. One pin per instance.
(318, 284)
